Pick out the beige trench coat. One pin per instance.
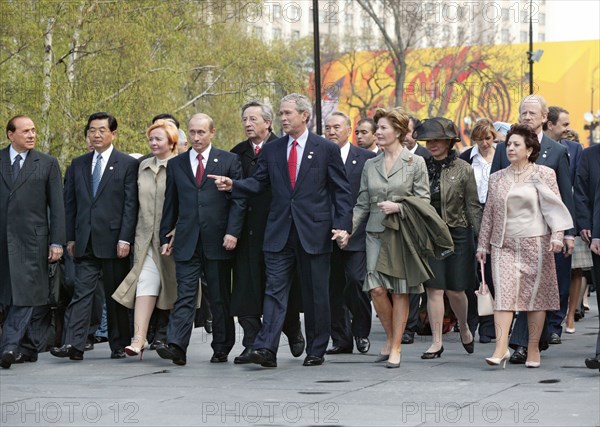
(151, 189)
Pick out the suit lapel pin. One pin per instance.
(310, 154)
(110, 168)
(545, 155)
(410, 160)
(215, 160)
(353, 162)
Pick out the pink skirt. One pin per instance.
(524, 275)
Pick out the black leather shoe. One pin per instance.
(118, 354)
(593, 362)
(432, 355)
(408, 338)
(362, 344)
(8, 358)
(67, 350)
(244, 357)
(218, 357)
(555, 339)
(155, 344)
(208, 326)
(469, 347)
(297, 344)
(263, 357)
(22, 358)
(313, 360)
(339, 350)
(519, 357)
(172, 352)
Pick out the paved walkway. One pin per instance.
(348, 390)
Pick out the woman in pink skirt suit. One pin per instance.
(522, 227)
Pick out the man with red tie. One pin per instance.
(307, 179)
(207, 225)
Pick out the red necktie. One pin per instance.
(199, 170)
(293, 163)
(257, 150)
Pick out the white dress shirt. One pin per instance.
(345, 150)
(194, 158)
(13, 153)
(105, 157)
(299, 148)
(481, 169)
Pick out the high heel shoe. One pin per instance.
(495, 361)
(433, 355)
(470, 347)
(394, 365)
(133, 350)
(532, 364)
(382, 358)
(570, 330)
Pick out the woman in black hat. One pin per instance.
(454, 196)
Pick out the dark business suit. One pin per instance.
(202, 216)
(96, 224)
(555, 156)
(249, 275)
(32, 217)
(299, 231)
(574, 150)
(587, 203)
(349, 268)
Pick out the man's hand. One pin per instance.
(223, 183)
(54, 253)
(595, 247)
(388, 207)
(586, 236)
(122, 250)
(341, 237)
(71, 249)
(569, 247)
(229, 242)
(167, 248)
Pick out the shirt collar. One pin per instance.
(301, 139)
(540, 136)
(14, 153)
(106, 154)
(205, 153)
(345, 150)
(475, 150)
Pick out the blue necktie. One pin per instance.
(16, 167)
(97, 175)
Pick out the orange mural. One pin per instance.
(467, 83)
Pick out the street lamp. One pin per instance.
(531, 55)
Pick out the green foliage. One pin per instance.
(135, 59)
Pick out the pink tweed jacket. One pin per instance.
(553, 210)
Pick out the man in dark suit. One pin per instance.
(208, 224)
(349, 265)
(32, 233)
(533, 111)
(249, 275)
(307, 177)
(101, 204)
(414, 299)
(587, 206)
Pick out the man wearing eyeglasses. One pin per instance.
(101, 204)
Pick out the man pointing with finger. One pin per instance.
(311, 198)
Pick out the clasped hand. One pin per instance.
(341, 237)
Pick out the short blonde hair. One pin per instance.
(482, 128)
(169, 128)
(397, 118)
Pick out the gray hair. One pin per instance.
(302, 103)
(535, 98)
(267, 111)
(343, 116)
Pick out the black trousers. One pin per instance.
(15, 326)
(218, 280)
(350, 307)
(79, 312)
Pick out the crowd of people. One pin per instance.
(302, 223)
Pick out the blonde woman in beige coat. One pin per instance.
(151, 282)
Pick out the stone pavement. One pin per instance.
(348, 390)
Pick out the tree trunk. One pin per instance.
(47, 85)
